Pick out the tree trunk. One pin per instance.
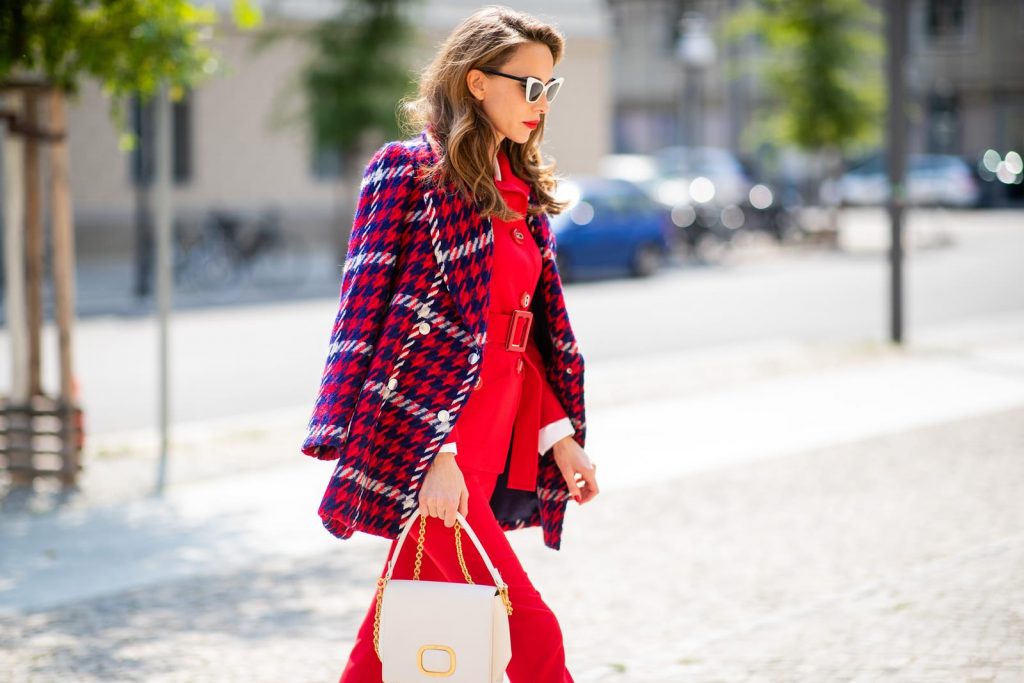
(63, 280)
(19, 438)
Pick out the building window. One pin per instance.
(143, 120)
(674, 15)
(945, 18)
(942, 127)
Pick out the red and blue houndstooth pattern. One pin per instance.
(404, 349)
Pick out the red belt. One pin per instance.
(512, 332)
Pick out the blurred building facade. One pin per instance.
(228, 155)
(966, 76)
(664, 95)
(640, 75)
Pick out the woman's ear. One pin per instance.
(476, 81)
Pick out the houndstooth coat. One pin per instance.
(405, 346)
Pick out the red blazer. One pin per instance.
(512, 389)
(405, 345)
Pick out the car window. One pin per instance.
(607, 199)
(935, 163)
(869, 166)
(706, 161)
(601, 204)
(635, 200)
(613, 199)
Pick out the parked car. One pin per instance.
(1000, 178)
(772, 205)
(712, 196)
(639, 169)
(611, 226)
(710, 174)
(932, 180)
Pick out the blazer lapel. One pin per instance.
(463, 245)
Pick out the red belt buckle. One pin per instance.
(518, 315)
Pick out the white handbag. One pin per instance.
(430, 630)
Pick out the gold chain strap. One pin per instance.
(419, 549)
(458, 549)
(382, 581)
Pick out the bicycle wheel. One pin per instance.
(211, 266)
(280, 264)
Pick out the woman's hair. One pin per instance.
(455, 121)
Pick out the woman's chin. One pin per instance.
(522, 136)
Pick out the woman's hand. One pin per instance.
(573, 462)
(444, 490)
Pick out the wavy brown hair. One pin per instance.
(455, 121)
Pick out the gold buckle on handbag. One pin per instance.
(510, 339)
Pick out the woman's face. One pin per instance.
(504, 99)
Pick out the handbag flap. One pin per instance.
(438, 629)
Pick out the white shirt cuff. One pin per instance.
(549, 436)
(554, 432)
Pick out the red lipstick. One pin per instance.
(532, 124)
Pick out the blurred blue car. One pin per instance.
(932, 180)
(611, 227)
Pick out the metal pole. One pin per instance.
(896, 31)
(163, 229)
(143, 188)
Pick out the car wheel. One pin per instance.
(646, 260)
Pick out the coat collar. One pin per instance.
(463, 244)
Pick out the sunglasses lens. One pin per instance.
(534, 89)
(553, 91)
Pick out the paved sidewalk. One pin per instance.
(772, 513)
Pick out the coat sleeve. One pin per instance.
(553, 418)
(366, 288)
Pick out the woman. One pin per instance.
(453, 380)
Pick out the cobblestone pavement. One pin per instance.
(896, 558)
(899, 558)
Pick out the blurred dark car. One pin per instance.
(611, 227)
(772, 205)
(932, 180)
(1000, 178)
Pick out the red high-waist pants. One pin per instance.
(538, 655)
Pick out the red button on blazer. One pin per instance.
(512, 393)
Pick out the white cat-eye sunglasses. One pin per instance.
(534, 86)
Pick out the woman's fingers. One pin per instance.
(444, 494)
(590, 487)
(570, 480)
(445, 508)
(449, 514)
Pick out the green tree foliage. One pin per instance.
(129, 46)
(821, 65)
(355, 75)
